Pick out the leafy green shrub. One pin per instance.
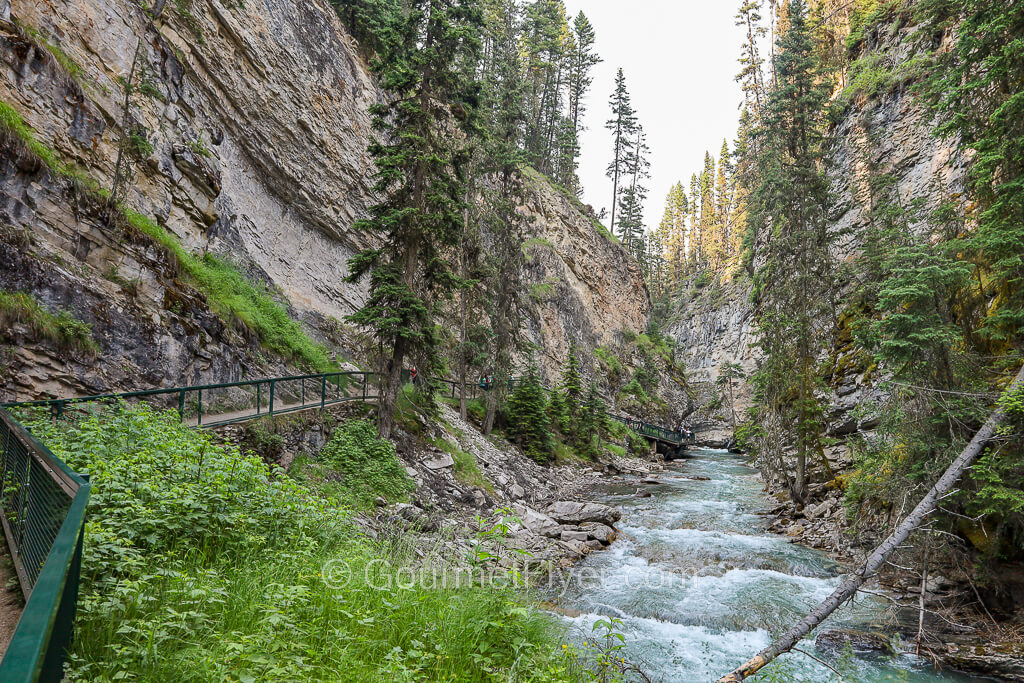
(368, 465)
(139, 144)
(203, 564)
(62, 329)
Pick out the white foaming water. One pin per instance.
(699, 586)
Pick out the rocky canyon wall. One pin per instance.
(251, 120)
(889, 133)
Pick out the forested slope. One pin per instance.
(872, 315)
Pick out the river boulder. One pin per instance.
(599, 532)
(859, 641)
(572, 512)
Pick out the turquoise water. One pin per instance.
(700, 587)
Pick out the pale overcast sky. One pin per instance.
(679, 57)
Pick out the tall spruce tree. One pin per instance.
(795, 283)
(545, 43)
(420, 175)
(623, 127)
(723, 204)
(694, 241)
(582, 60)
(529, 423)
(751, 75)
(977, 87)
(709, 228)
(631, 216)
(503, 225)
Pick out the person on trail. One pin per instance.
(511, 381)
(412, 376)
(490, 382)
(483, 382)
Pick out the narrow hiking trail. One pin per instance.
(699, 585)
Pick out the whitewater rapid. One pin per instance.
(699, 586)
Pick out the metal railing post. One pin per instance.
(270, 408)
(199, 415)
(364, 386)
(323, 391)
(258, 385)
(181, 404)
(302, 400)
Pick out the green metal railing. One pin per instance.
(214, 405)
(42, 508)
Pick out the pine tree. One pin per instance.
(631, 217)
(709, 228)
(978, 89)
(572, 382)
(420, 174)
(593, 423)
(545, 44)
(743, 177)
(723, 205)
(751, 76)
(528, 419)
(694, 242)
(582, 60)
(623, 127)
(671, 236)
(503, 225)
(795, 284)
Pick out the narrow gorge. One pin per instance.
(321, 357)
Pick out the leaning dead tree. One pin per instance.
(849, 587)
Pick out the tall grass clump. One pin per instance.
(62, 329)
(203, 564)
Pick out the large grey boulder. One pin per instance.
(599, 532)
(571, 512)
(535, 521)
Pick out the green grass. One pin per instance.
(234, 297)
(229, 293)
(68, 65)
(466, 468)
(616, 450)
(62, 329)
(201, 564)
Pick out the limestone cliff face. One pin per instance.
(585, 287)
(715, 328)
(893, 134)
(258, 118)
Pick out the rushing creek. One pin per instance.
(700, 587)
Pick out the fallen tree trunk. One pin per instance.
(849, 587)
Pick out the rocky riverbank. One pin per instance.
(465, 484)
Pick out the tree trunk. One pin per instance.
(492, 407)
(849, 587)
(389, 392)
